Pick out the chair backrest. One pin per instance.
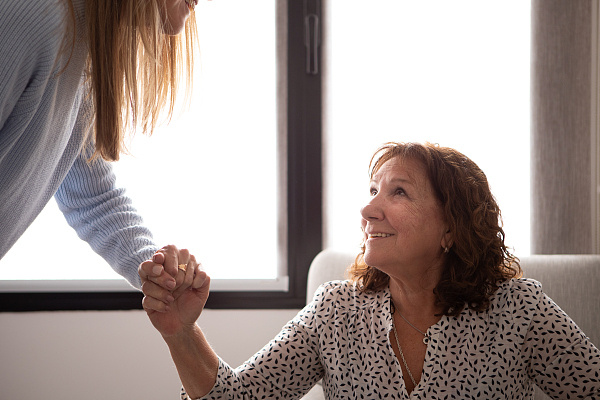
(572, 281)
(328, 265)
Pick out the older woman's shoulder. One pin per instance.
(345, 294)
(337, 289)
(519, 293)
(523, 285)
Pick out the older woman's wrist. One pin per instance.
(184, 335)
(196, 362)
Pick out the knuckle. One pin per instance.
(170, 249)
(145, 265)
(147, 288)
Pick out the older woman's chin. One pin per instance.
(370, 259)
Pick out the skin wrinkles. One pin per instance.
(403, 203)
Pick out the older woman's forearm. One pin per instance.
(196, 362)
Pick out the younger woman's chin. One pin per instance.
(173, 30)
(175, 19)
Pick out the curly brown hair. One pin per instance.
(478, 260)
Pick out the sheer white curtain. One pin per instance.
(456, 73)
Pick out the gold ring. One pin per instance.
(182, 267)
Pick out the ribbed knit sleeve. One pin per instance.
(104, 216)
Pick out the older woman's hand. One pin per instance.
(172, 311)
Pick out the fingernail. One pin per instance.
(170, 298)
(157, 269)
(170, 284)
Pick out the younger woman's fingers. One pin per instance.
(184, 264)
(148, 269)
(171, 257)
(185, 278)
(191, 270)
(151, 271)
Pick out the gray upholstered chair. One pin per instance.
(572, 281)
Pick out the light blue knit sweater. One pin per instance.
(43, 117)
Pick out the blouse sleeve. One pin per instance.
(564, 362)
(286, 368)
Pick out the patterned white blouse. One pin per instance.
(342, 336)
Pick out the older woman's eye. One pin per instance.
(400, 191)
(373, 191)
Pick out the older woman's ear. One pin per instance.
(447, 241)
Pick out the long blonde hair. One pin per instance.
(135, 69)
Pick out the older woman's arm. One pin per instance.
(286, 368)
(196, 362)
(174, 315)
(564, 363)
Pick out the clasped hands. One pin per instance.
(175, 290)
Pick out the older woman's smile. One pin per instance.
(378, 235)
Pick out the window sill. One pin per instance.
(61, 295)
(120, 285)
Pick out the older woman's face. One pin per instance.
(175, 13)
(403, 221)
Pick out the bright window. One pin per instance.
(455, 73)
(449, 72)
(208, 180)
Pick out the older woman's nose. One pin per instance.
(371, 212)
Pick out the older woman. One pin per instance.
(433, 309)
